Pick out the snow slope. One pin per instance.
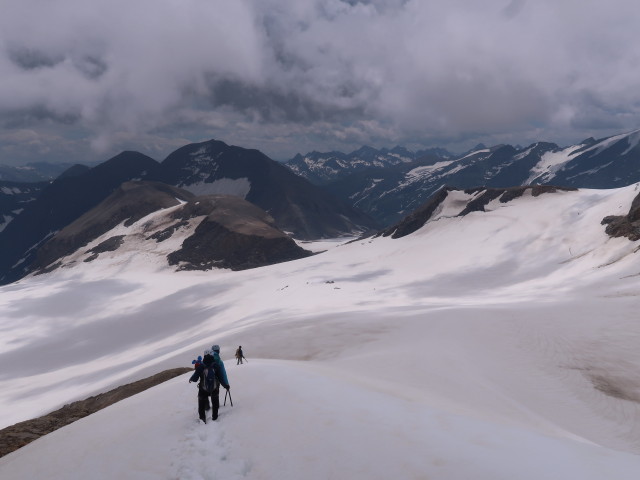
(502, 344)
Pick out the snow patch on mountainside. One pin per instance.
(523, 154)
(400, 158)
(426, 170)
(550, 163)
(475, 153)
(5, 221)
(590, 172)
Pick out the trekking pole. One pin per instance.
(225, 399)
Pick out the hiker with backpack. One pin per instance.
(210, 375)
(240, 355)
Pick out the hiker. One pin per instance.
(239, 355)
(197, 362)
(210, 375)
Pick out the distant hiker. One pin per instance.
(210, 375)
(197, 362)
(239, 355)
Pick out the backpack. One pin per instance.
(209, 380)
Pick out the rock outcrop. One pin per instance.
(625, 225)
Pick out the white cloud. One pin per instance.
(438, 71)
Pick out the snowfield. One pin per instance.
(499, 345)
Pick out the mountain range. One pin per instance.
(388, 185)
(310, 197)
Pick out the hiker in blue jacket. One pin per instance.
(206, 389)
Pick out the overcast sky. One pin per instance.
(81, 80)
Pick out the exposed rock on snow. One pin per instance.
(111, 244)
(625, 225)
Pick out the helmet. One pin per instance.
(207, 352)
(215, 348)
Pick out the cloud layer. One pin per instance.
(90, 78)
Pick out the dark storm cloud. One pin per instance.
(28, 59)
(25, 118)
(296, 75)
(271, 104)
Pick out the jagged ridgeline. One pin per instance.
(390, 184)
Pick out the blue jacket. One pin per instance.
(218, 366)
(221, 371)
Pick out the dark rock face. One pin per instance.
(626, 225)
(418, 218)
(74, 171)
(235, 234)
(483, 197)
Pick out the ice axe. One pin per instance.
(225, 399)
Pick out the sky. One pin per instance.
(501, 344)
(82, 81)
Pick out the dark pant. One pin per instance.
(203, 404)
(239, 360)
